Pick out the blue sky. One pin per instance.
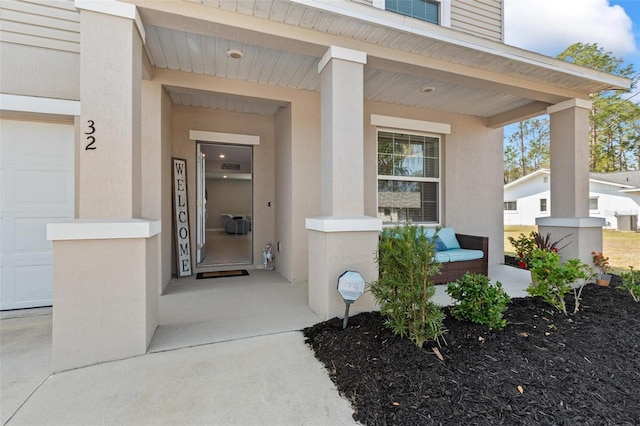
(550, 26)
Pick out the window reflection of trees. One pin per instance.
(401, 155)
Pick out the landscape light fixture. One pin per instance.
(351, 287)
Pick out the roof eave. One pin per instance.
(598, 79)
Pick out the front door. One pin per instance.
(225, 205)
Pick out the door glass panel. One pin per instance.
(227, 205)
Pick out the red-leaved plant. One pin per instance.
(526, 244)
(601, 262)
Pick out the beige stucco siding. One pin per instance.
(482, 18)
(190, 118)
(166, 236)
(156, 169)
(466, 152)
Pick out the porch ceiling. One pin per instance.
(189, 52)
(283, 41)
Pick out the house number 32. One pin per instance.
(90, 139)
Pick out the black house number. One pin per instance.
(90, 139)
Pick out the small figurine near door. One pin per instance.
(267, 258)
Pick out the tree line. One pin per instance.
(614, 123)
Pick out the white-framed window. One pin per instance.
(408, 177)
(593, 203)
(510, 206)
(543, 204)
(434, 11)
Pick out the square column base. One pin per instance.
(586, 235)
(105, 291)
(338, 244)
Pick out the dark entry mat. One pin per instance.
(222, 274)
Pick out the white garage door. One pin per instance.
(36, 187)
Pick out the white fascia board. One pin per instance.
(343, 224)
(383, 18)
(102, 229)
(605, 182)
(527, 177)
(35, 104)
(410, 124)
(114, 8)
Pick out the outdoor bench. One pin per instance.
(459, 253)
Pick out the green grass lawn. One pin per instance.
(623, 248)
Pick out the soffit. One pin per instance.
(350, 19)
(292, 62)
(195, 53)
(222, 101)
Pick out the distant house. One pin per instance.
(612, 196)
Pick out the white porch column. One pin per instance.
(343, 238)
(569, 149)
(106, 261)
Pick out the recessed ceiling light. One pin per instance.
(221, 155)
(428, 89)
(225, 176)
(235, 54)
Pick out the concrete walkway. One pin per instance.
(267, 380)
(227, 352)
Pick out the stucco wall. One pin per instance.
(305, 169)
(190, 118)
(297, 183)
(471, 179)
(283, 199)
(166, 237)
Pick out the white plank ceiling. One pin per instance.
(207, 54)
(177, 50)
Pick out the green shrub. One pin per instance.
(631, 283)
(404, 288)
(552, 280)
(479, 301)
(525, 245)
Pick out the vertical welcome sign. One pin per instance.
(181, 217)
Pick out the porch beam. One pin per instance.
(534, 109)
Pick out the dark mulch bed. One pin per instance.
(581, 369)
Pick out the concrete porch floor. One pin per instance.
(195, 312)
(227, 351)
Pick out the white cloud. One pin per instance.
(550, 26)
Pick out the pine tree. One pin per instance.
(613, 136)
